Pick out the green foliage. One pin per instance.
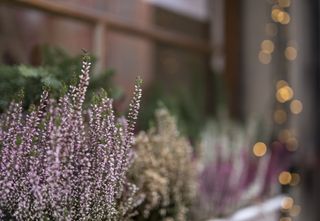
(185, 103)
(53, 73)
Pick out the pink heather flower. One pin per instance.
(61, 162)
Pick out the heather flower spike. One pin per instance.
(61, 162)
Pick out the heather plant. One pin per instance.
(163, 171)
(63, 162)
(229, 175)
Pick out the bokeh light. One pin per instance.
(259, 149)
(283, 18)
(264, 58)
(287, 203)
(279, 15)
(284, 3)
(284, 94)
(267, 46)
(281, 83)
(292, 144)
(295, 179)
(274, 13)
(280, 116)
(285, 178)
(291, 53)
(295, 210)
(296, 106)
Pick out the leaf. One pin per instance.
(28, 71)
(52, 82)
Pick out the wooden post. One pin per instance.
(232, 55)
(99, 46)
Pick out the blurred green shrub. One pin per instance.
(185, 102)
(53, 72)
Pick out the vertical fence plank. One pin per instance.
(99, 45)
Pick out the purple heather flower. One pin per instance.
(61, 162)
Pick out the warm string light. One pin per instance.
(281, 84)
(267, 46)
(296, 106)
(295, 211)
(287, 137)
(289, 208)
(292, 144)
(284, 94)
(287, 203)
(291, 53)
(278, 15)
(259, 149)
(285, 178)
(264, 58)
(281, 17)
(295, 179)
(280, 116)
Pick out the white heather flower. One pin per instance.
(163, 171)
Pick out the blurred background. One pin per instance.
(241, 60)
